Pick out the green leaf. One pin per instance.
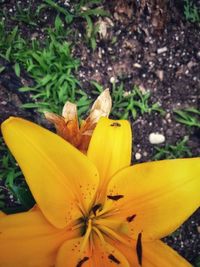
(2, 68)
(17, 69)
(58, 22)
(95, 12)
(24, 196)
(26, 89)
(8, 51)
(12, 35)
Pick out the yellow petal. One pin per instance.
(157, 254)
(155, 198)
(2, 214)
(154, 254)
(110, 148)
(62, 180)
(28, 240)
(95, 254)
(107, 255)
(70, 254)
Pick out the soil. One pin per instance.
(153, 48)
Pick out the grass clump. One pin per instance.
(26, 15)
(188, 116)
(191, 11)
(52, 68)
(179, 150)
(83, 9)
(51, 65)
(130, 104)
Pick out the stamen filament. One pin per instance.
(81, 208)
(87, 235)
(76, 226)
(109, 212)
(96, 230)
(113, 234)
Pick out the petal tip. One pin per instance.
(7, 121)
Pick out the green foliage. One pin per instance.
(7, 40)
(13, 183)
(92, 29)
(11, 43)
(191, 11)
(51, 66)
(81, 9)
(91, 33)
(197, 262)
(188, 116)
(130, 104)
(179, 150)
(25, 15)
(60, 10)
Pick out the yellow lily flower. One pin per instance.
(95, 210)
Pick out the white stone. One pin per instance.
(138, 156)
(137, 65)
(112, 80)
(156, 138)
(162, 50)
(145, 154)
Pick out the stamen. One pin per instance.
(96, 230)
(139, 248)
(113, 234)
(96, 208)
(114, 259)
(115, 198)
(130, 218)
(76, 226)
(87, 235)
(108, 212)
(80, 263)
(81, 208)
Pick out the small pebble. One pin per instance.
(138, 156)
(156, 138)
(145, 154)
(137, 65)
(162, 50)
(160, 74)
(112, 80)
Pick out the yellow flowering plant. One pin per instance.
(95, 210)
